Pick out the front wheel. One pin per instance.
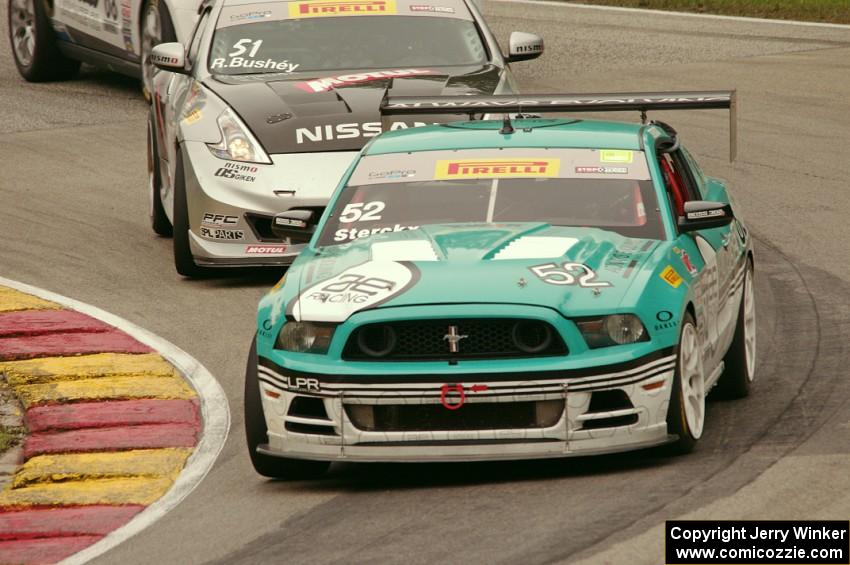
(686, 412)
(740, 360)
(256, 433)
(33, 40)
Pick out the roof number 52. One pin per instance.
(567, 274)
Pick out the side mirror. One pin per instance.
(169, 57)
(293, 223)
(703, 215)
(524, 46)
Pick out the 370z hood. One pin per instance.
(339, 111)
(577, 271)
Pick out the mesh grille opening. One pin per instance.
(609, 400)
(474, 339)
(308, 407)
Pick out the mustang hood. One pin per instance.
(338, 112)
(578, 271)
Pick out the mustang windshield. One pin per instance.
(385, 193)
(259, 38)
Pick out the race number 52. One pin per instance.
(567, 274)
(362, 212)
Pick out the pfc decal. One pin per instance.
(346, 131)
(603, 170)
(437, 9)
(236, 171)
(616, 156)
(219, 219)
(327, 83)
(325, 8)
(671, 277)
(357, 288)
(350, 234)
(497, 168)
(265, 249)
(214, 233)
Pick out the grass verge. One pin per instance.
(10, 437)
(829, 11)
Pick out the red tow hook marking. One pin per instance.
(458, 388)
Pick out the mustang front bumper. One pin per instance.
(549, 415)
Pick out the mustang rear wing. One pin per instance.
(569, 103)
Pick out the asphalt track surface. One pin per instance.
(73, 211)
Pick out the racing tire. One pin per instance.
(256, 433)
(155, 27)
(33, 43)
(740, 359)
(184, 262)
(159, 220)
(686, 410)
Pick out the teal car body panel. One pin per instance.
(656, 279)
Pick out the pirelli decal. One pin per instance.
(323, 8)
(497, 168)
(671, 277)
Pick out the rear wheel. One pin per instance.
(156, 28)
(184, 262)
(686, 412)
(256, 433)
(740, 360)
(34, 43)
(159, 221)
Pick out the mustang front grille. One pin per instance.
(432, 340)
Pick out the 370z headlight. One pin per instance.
(237, 143)
(617, 329)
(305, 337)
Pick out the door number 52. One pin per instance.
(567, 274)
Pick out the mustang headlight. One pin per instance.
(237, 143)
(305, 337)
(617, 329)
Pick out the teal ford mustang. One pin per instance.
(505, 290)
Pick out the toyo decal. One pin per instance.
(496, 168)
(325, 8)
(357, 288)
(671, 277)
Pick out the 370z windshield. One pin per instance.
(606, 189)
(258, 38)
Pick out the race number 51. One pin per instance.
(240, 47)
(566, 274)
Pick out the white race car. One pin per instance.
(51, 37)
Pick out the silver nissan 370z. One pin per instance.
(268, 104)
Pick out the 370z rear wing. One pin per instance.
(569, 103)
